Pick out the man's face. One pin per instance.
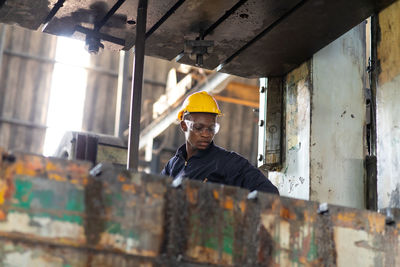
(198, 130)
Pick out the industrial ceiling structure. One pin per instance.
(248, 38)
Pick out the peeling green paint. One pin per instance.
(206, 235)
(22, 194)
(228, 232)
(40, 202)
(313, 251)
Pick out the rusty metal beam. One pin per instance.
(53, 211)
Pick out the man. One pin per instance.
(200, 159)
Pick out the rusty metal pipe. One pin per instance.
(137, 83)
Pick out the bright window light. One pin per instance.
(67, 94)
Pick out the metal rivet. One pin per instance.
(262, 90)
(260, 157)
(261, 123)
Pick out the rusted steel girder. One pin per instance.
(53, 212)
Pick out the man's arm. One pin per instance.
(242, 173)
(165, 171)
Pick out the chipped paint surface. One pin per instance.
(293, 179)
(338, 117)
(104, 222)
(388, 109)
(352, 242)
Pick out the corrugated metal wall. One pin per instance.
(25, 79)
(101, 92)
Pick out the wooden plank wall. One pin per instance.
(24, 88)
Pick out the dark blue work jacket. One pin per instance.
(217, 165)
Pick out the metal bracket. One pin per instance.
(94, 37)
(198, 50)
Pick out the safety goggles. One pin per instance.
(199, 128)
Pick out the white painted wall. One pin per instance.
(293, 179)
(388, 144)
(338, 118)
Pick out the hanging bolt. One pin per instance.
(260, 157)
(261, 123)
(262, 90)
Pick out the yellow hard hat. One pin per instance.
(199, 102)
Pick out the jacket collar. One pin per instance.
(181, 152)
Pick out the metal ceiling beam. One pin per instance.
(262, 34)
(215, 84)
(54, 10)
(215, 24)
(164, 18)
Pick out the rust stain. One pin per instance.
(129, 188)
(376, 223)
(3, 190)
(309, 217)
(286, 214)
(83, 181)
(300, 73)
(3, 216)
(388, 49)
(209, 255)
(242, 206)
(191, 195)
(215, 194)
(346, 217)
(21, 169)
(121, 178)
(276, 203)
(228, 203)
(56, 177)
